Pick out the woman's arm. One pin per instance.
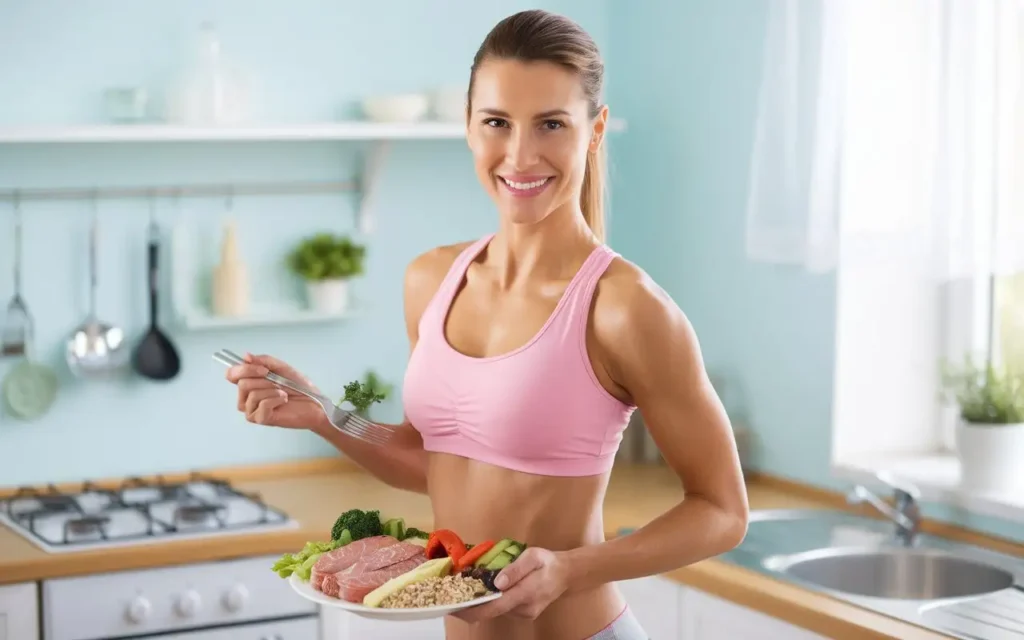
(649, 348)
(402, 463)
(646, 347)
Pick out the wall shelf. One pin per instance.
(201, 320)
(351, 130)
(380, 134)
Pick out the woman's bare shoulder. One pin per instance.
(423, 277)
(633, 314)
(428, 269)
(622, 287)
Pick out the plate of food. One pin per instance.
(386, 571)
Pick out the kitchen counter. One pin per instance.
(315, 492)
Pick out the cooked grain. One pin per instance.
(451, 589)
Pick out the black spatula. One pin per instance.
(155, 356)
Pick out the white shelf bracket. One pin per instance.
(373, 164)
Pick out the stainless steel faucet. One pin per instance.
(906, 512)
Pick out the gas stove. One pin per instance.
(136, 512)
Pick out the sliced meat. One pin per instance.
(354, 587)
(344, 557)
(384, 557)
(316, 578)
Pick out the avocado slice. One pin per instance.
(514, 549)
(436, 568)
(493, 552)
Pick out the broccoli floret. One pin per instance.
(413, 532)
(360, 524)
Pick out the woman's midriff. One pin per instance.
(484, 502)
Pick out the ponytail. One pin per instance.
(592, 195)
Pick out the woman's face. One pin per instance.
(530, 132)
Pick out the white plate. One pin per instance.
(306, 590)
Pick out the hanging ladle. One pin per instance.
(17, 331)
(95, 349)
(155, 356)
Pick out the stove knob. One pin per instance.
(138, 610)
(188, 604)
(235, 598)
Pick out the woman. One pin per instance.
(530, 349)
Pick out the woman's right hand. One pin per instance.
(263, 402)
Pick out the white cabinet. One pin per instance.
(655, 602)
(19, 612)
(336, 624)
(284, 630)
(670, 611)
(705, 617)
(665, 609)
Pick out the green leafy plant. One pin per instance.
(361, 395)
(326, 256)
(985, 394)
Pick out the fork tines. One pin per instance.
(352, 425)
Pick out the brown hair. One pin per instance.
(540, 36)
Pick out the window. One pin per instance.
(931, 205)
(889, 149)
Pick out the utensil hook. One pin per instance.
(153, 230)
(17, 243)
(93, 239)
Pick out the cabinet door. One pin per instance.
(287, 630)
(655, 603)
(342, 625)
(19, 612)
(705, 617)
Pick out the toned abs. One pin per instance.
(483, 501)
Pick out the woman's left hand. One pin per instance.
(533, 581)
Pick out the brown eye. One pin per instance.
(495, 122)
(553, 125)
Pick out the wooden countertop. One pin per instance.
(314, 492)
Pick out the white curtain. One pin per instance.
(890, 130)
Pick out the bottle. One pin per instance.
(230, 278)
(211, 91)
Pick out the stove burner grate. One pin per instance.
(86, 526)
(27, 505)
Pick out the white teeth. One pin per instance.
(524, 186)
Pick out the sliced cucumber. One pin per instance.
(493, 552)
(502, 560)
(395, 527)
(513, 550)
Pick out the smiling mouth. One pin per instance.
(525, 189)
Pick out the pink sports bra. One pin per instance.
(537, 409)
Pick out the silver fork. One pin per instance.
(345, 421)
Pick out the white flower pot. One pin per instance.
(991, 456)
(327, 296)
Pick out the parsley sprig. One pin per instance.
(361, 396)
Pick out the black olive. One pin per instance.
(487, 576)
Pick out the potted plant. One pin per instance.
(326, 262)
(990, 428)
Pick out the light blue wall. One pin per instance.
(314, 58)
(681, 190)
(690, 73)
(683, 74)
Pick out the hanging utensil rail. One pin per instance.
(187, 190)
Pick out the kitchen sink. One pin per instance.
(957, 589)
(903, 574)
